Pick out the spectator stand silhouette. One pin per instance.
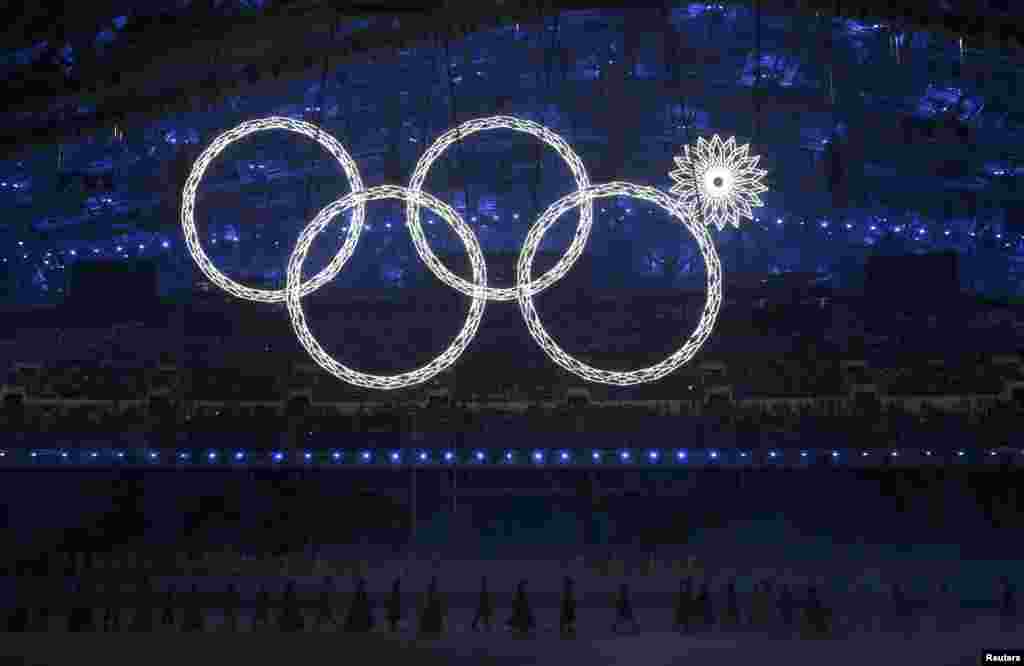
(522, 621)
(360, 614)
(394, 606)
(624, 615)
(567, 617)
(484, 608)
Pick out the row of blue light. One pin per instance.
(876, 226)
(923, 232)
(426, 457)
(73, 253)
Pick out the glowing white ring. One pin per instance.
(243, 130)
(711, 306)
(293, 287)
(579, 172)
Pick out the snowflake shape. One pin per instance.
(721, 179)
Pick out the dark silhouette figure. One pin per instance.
(80, 616)
(484, 608)
(684, 606)
(261, 616)
(731, 618)
(193, 620)
(325, 611)
(111, 619)
(360, 614)
(900, 610)
(522, 620)
(111, 615)
(291, 619)
(817, 615)
(69, 564)
(40, 620)
(18, 620)
(567, 621)
(167, 615)
(624, 611)
(769, 587)
(231, 609)
(432, 619)
(948, 611)
(1008, 604)
(704, 608)
(760, 606)
(394, 605)
(142, 621)
(787, 607)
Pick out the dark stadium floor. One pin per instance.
(655, 649)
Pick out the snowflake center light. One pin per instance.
(718, 182)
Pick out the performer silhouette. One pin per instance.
(484, 608)
(624, 611)
(567, 621)
(522, 620)
(394, 607)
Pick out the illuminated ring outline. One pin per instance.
(683, 214)
(579, 172)
(243, 130)
(294, 281)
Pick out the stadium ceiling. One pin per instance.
(195, 52)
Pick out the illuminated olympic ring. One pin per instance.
(188, 205)
(524, 289)
(579, 173)
(678, 211)
(294, 281)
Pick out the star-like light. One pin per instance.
(720, 179)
